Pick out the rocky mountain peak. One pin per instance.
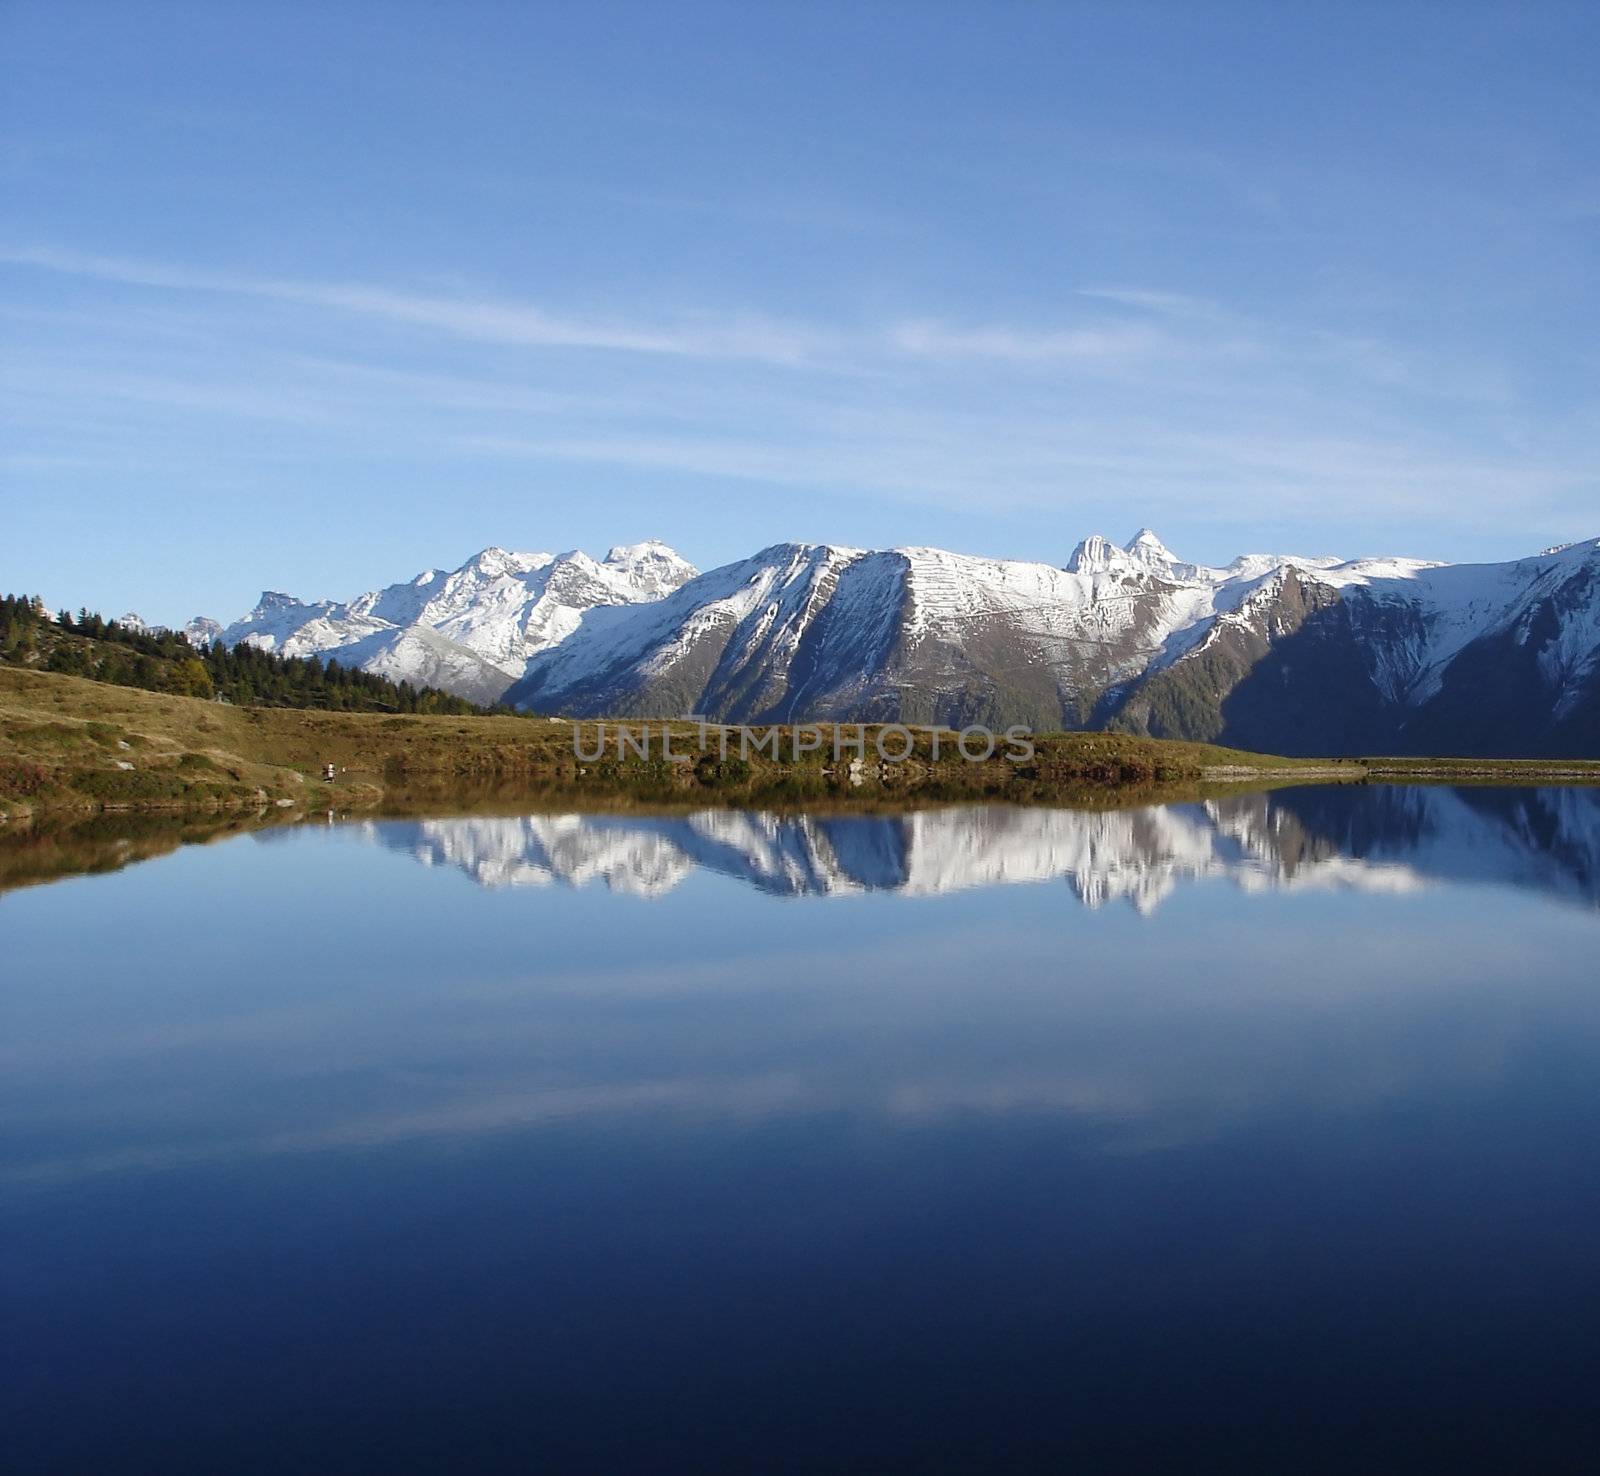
(1097, 555)
(653, 568)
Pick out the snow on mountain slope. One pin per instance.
(1380, 840)
(1387, 656)
(1107, 608)
(289, 627)
(202, 631)
(1145, 553)
(726, 640)
(491, 614)
(914, 634)
(651, 569)
(1455, 604)
(198, 632)
(425, 658)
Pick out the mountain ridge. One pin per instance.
(1280, 653)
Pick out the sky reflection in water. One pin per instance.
(732, 1139)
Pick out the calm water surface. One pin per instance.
(1262, 1133)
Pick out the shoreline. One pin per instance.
(69, 746)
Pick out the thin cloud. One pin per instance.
(486, 320)
(751, 338)
(1190, 410)
(1093, 344)
(1168, 304)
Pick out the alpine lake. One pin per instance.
(1254, 1132)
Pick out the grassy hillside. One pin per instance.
(71, 744)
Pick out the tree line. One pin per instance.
(165, 661)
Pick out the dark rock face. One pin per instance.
(1301, 677)
(1268, 670)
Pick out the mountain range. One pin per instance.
(1280, 653)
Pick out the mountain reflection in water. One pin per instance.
(314, 1158)
(1368, 838)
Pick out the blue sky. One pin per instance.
(312, 297)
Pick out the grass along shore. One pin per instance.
(73, 745)
(76, 745)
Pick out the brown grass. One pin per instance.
(70, 744)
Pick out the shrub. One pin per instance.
(22, 779)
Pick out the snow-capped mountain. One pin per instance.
(913, 634)
(1281, 653)
(199, 632)
(469, 630)
(1379, 839)
(1391, 656)
(1286, 653)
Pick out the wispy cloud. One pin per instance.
(1099, 344)
(487, 320)
(1170, 304)
(91, 387)
(703, 336)
(1184, 407)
